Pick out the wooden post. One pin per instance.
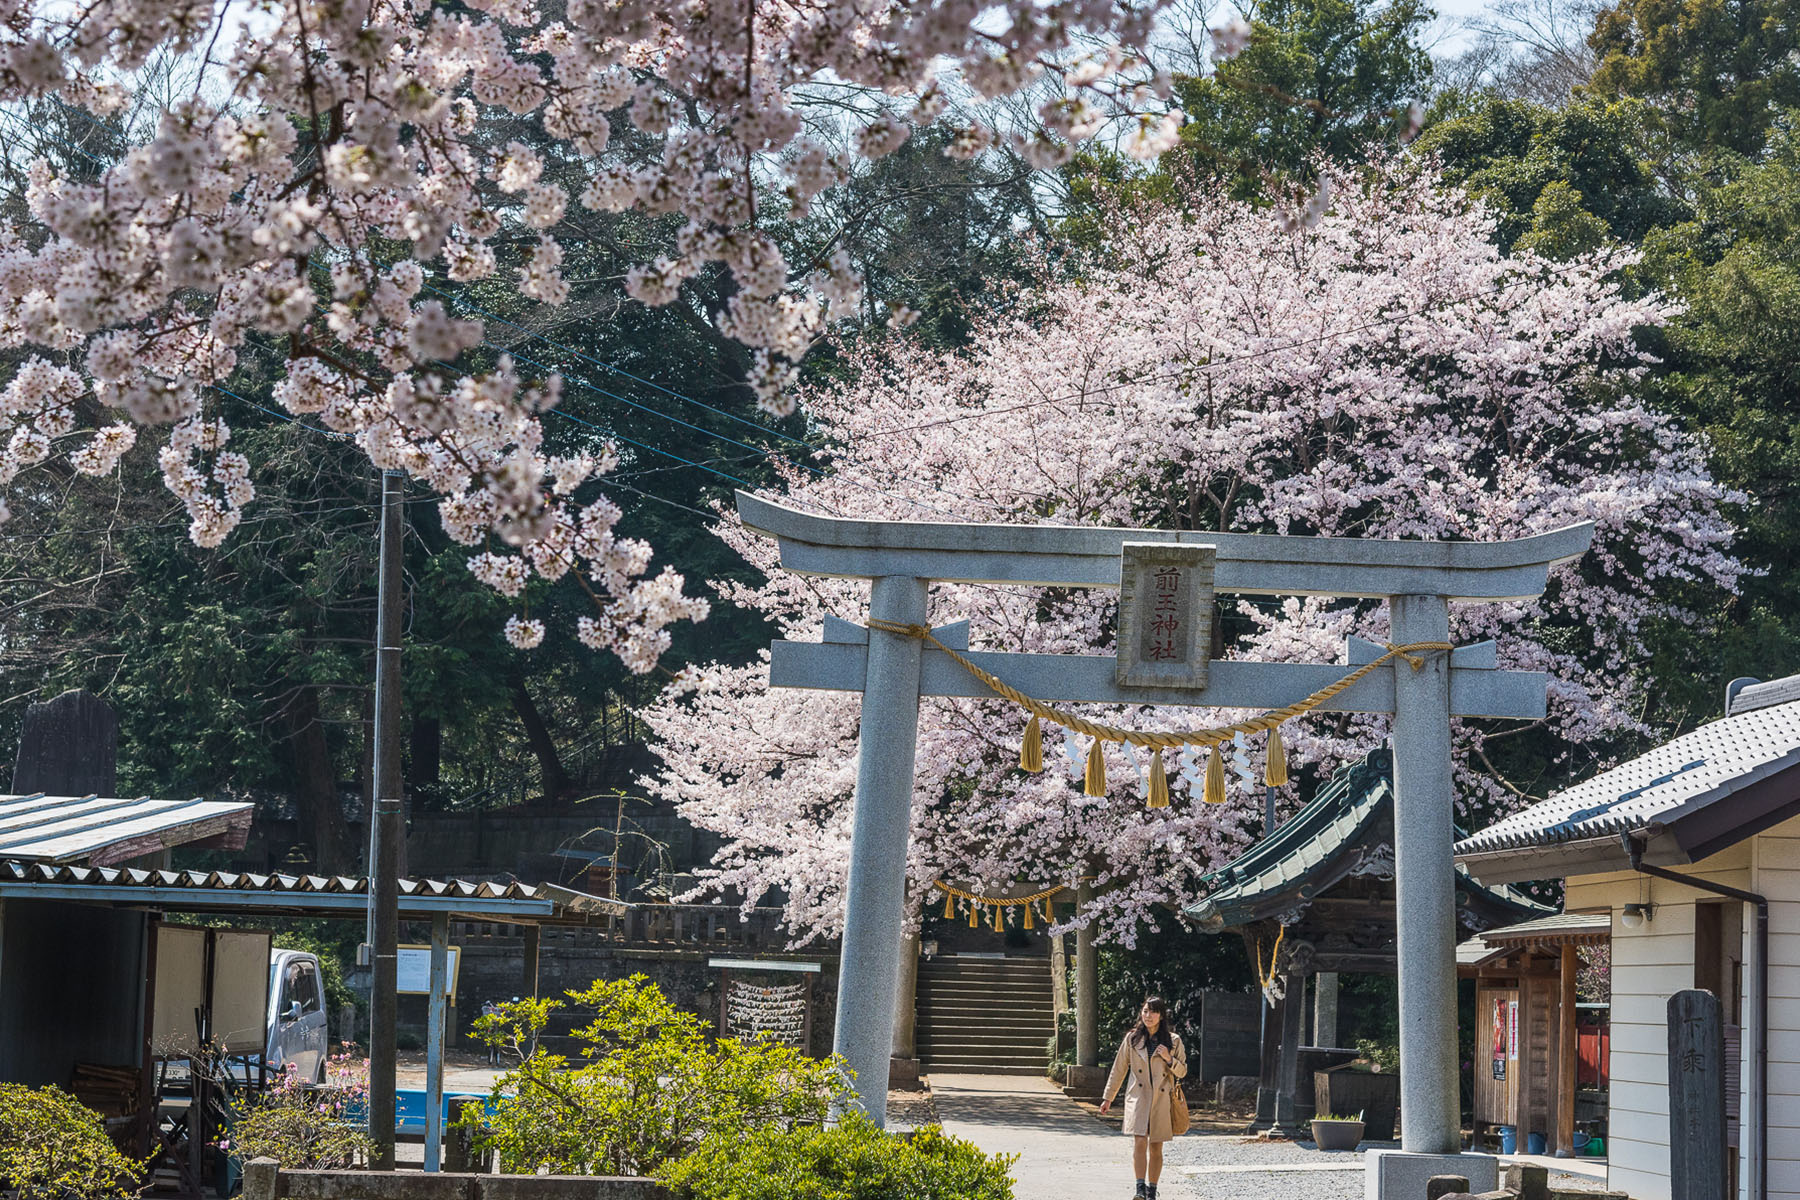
(533, 939)
(1287, 1079)
(1567, 1051)
(1696, 1097)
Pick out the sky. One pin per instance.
(1449, 31)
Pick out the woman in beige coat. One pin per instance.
(1154, 1060)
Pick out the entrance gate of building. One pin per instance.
(892, 669)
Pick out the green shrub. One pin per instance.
(51, 1148)
(1383, 1056)
(647, 1086)
(852, 1160)
(306, 1128)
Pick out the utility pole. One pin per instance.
(384, 825)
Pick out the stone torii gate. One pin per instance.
(1418, 579)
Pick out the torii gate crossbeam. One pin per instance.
(1418, 579)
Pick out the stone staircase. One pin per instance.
(984, 1016)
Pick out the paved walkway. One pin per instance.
(1062, 1151)
(1065, 1154)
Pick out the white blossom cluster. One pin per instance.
(265, 205)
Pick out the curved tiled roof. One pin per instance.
(1320, 845)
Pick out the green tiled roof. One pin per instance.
(1348, 822)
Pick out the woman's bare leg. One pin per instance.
(1155, 1149)
(1139, 1148)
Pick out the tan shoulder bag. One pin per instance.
(1179, 1120)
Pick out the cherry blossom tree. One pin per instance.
(334, 168)
(1372, 366)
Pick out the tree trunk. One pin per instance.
(315, 782)
(557, 784)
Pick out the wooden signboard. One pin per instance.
(1165, 614)
(1696, 1097)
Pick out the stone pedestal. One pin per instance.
(1399, 1175)
(1084, 1082)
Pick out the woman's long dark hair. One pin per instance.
(1142, 1038)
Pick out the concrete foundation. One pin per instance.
(1399, 1175)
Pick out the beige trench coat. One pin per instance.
(1147, 1093)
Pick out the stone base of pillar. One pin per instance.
(903, 1072)
(1398, 1175)
(1084, 1082)
(1265, 1108)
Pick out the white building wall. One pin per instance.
(1650, 964)
(1777, 876)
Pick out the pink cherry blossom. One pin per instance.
(265, 204)
(1380, 371)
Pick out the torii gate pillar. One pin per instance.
(1425, 881)
(1417, 579)
(875, 897)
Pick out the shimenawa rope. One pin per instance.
(1031, 753)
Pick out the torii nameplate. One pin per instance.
(1165, 614)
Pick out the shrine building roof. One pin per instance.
(1345, 830)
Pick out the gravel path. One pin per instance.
(1218, 1166)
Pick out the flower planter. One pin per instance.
(1337, 1135)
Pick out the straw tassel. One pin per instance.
(1031, 751)
(1215, 778)
(1028, 922)
(974, 915)
(949, 905)
(1159, 782)
(1275, 768)
(1095, 782)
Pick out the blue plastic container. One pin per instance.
(1581, 1141)
(1509, 1139)
(409, 1108)
(1536, 1143)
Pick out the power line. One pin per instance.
(682, 461)
(591, 386)
(975, 414)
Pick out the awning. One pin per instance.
(299, 895)
(1542, 933)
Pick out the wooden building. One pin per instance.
(1314, 900)
(1527, 1049)
(1691, 854)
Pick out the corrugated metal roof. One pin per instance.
(1689, 773)
(95, 829)
(225, 890)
